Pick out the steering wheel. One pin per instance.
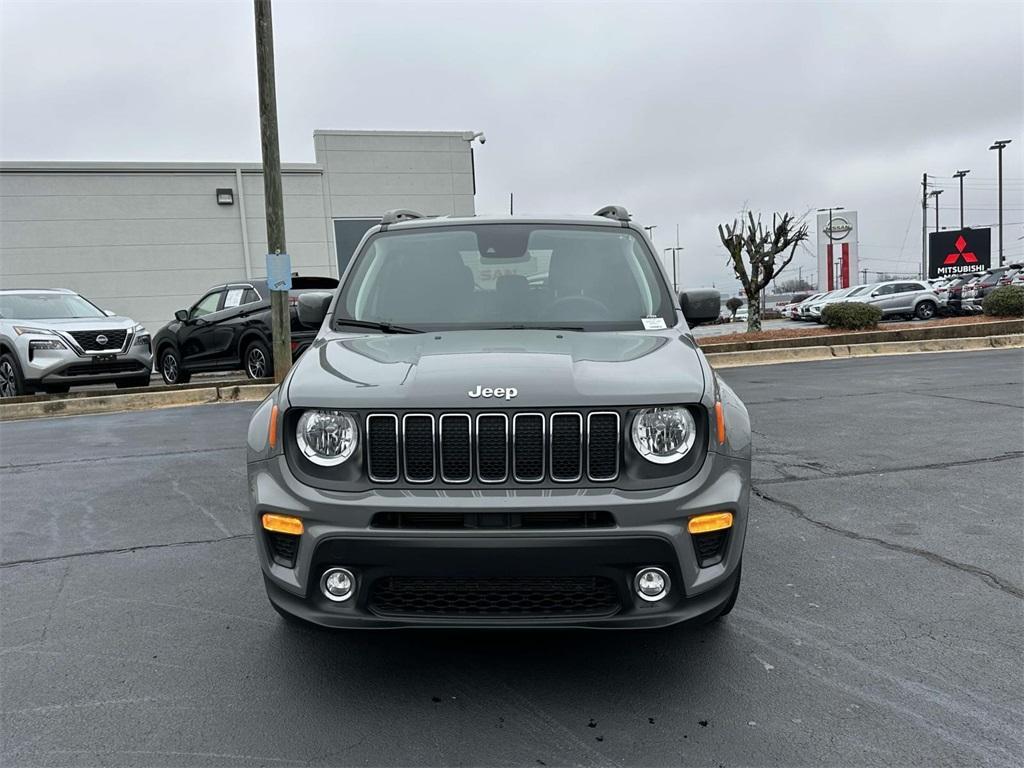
(577, 308)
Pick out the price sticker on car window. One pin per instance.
(234, 298)
(654, 323)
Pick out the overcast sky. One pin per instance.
(684, 113)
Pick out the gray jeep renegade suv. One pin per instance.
(503, 422)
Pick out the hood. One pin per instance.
(79, 323)
(544, 368)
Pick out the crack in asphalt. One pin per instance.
(986, 577)
(120, 550)
(971, 400)
(14, 468)
(878, 471)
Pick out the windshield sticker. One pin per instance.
(654, 323)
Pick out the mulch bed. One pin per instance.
(813, 329)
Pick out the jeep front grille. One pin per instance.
(493, 447)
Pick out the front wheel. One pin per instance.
(170, 368)
(925, 310)
(257, 360)
(12, 384)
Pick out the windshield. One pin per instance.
(858, 290)
(507, 275)
(46, 306)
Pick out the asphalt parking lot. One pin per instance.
(880, 621)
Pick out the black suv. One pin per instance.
(229, 328)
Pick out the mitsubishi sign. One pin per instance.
(837, 250)
(959, 251)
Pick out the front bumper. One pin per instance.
(649, 530)
(66, 367)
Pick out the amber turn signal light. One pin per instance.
(272, 429)
(282, 524)
(716, 521)
(720, 418)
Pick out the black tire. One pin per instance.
(925, 310)
(138, 381)
(726, 609)
(12, 382)
(256, 361)
(170, 367)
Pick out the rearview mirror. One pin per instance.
(701, 305)
(181, 315)
(313, 307)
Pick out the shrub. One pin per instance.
(1006, 301)
(851, 315)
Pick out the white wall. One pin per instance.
(146, 239)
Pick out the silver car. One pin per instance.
(462, 448)
(52, 339)
(843, 294)
(912, 298)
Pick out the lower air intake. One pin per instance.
(494, 597)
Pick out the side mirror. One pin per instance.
(701, 305)
(313, 307)
(181, 315)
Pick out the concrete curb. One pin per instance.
(133, 401)
(840, 351)
(954, 331)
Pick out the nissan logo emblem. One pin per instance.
(838, 228)
(102, 340)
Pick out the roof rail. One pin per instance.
(616, 212)
(399, 214)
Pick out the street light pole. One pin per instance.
(999, 147)
(828, 233)
(935, 193)
(650, 232)
(960, 175)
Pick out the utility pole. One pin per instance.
(999, 147)
(280, 316)
(935, 193)
(675, 271)
(960, 175)
(511, 203)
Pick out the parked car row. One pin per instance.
(895, 298)
(964, 294)
(52, 338)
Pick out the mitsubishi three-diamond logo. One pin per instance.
(968, 257)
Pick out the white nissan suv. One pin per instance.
(52, 339)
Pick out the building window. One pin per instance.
(347, 234)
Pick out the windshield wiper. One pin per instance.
(385, 327)
(521, 327)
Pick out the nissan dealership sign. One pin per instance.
(959, 251)
(838, 265)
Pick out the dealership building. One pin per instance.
(146, 239)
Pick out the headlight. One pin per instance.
(664, 435)
(45, 344)
(327, 438)
(142, 340)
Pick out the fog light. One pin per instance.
(652, 584)
(337, 584)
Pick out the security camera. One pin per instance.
(471, 137)
(483, 139)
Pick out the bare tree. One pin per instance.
(765, 249)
